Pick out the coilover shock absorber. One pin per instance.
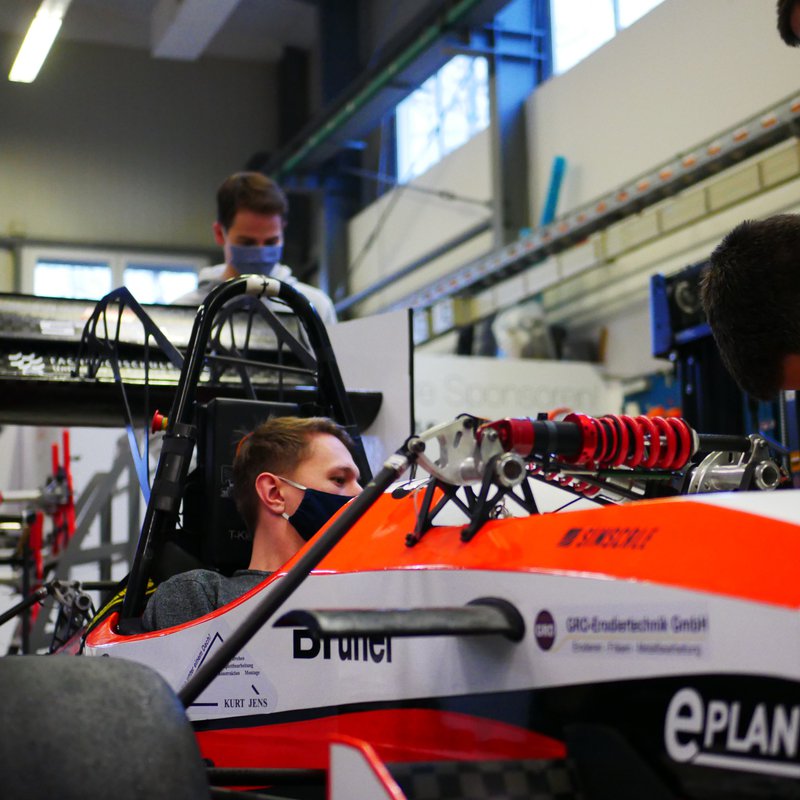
(609, 441)
(619, 440)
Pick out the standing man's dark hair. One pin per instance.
(751, 296)
(251, 191)
(789, 21)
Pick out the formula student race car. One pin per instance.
(442, 638)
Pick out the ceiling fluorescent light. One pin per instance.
(38, 40)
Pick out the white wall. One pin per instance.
(683, 73)
(111, 145)
(413, 223)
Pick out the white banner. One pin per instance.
(445, 386)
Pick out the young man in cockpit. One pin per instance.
(290, 475)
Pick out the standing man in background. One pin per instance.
(251, 216)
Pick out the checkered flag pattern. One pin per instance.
(538, 779)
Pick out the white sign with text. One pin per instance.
(493, 388)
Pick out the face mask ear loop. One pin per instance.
(296, 486)
(292, 483)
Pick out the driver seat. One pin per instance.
(213, 535)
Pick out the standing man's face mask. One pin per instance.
(253, 259)
(315, 509)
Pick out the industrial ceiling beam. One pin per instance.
(182, 29)
(411, 57)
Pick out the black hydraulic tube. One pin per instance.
(279, 591)
(722, 442)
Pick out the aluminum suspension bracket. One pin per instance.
(454, 454)
(736, 471)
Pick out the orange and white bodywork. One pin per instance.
(672, 622)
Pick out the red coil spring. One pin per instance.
(619, 440)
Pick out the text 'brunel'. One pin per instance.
(343, 648)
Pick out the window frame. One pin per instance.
(117, 261)
(614, 7)
(435, 133)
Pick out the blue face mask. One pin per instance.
(315, 509)
(254, 260)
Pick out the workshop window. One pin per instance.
(447, 110)
(56, 278)
(162, 284)
(579, 27)
(91, 274)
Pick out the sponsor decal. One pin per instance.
(622, 631)
(57, 327)
(205, 648)
(239, 687)
(730, 734)
(608, 538)
(544, 629)
(239, 535)
(377, 649)
(27, 363)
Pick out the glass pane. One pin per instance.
(631, 10)
(417, 131)
(71, 279)
(442, 114)
(481, 95)
(458, 89)
(159, 285)
(579, 28)
(455, 130)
